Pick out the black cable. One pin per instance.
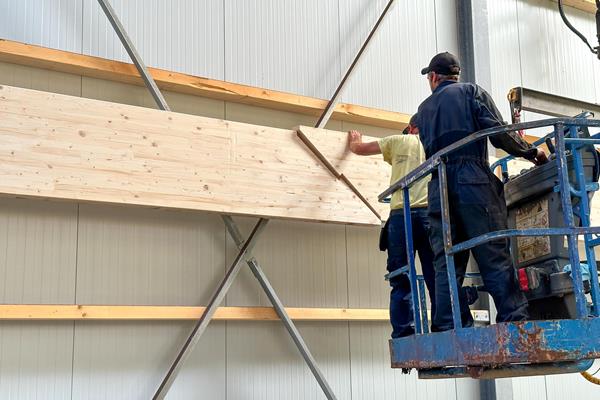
(572, 28)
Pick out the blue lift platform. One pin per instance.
(537, 347)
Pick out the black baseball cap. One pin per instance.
(443, 63)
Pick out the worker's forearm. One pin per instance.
(365, 149)
(514, 145)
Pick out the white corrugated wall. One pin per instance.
(531, 47)
(58, 253)
(301, 47)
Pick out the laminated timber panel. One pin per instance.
(370, 175)
(57, 146)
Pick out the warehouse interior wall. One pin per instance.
(69, 253)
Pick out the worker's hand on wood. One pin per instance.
(540, 158)
(354, 139)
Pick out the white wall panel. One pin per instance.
(275, 118)
(526, 388)
(264, 364)
(145, 256)
(505, 60)
(37, 265)
(553, 59)
(140, 96)
(38, 242)
(35, 360)
(305, 263)
(366, 268)
(446, 27)
(530, 46)
(284, 45)
(183, 36)
(372, 377)
(49, 23)
(571, 386)
(389, 73)
(128, 360)
(39, 79)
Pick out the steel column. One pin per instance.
(212, 306)
(464, 16)
(133, 54)
(324, 118)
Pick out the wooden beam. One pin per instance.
(63, 147)
(583, 5)
(112, 312)
(95, 67)
(71, 312)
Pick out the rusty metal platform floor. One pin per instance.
(529, 347)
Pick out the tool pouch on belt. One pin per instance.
(383, 236)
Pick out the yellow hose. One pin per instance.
(591, 378)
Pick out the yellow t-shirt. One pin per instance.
(405, 153)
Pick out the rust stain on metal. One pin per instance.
(534, 344)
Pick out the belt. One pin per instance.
(401, 210)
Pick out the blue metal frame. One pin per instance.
(495, 350)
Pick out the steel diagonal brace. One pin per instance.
(212, 306)
(245, 247)
(279, 308)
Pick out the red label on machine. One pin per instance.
(523, 280)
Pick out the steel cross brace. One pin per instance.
(245, 248)
(244, 254)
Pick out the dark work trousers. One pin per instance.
(493, 258)
(401, 313)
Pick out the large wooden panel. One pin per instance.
(370, 175)
(65, 147)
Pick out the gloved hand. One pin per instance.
(540, 158)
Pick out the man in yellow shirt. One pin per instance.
(404, 153)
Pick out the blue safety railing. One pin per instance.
(565, 136)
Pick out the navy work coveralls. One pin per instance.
(476, 197)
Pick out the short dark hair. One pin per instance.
(443, 78)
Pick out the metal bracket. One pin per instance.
(525, 99)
